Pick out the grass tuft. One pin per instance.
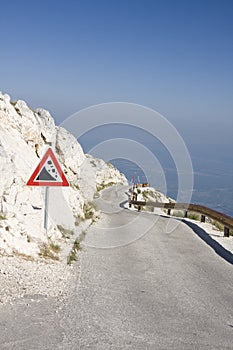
(2, 216)
(89, 210)
(102, 186)
(73, 253)
(71, 257)
(55, 247)
(47, 253)
(193, 216)
(75, 186)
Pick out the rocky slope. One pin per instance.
(25, 135)
(149, 194)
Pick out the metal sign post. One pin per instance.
(46, 211)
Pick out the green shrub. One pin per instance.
(2, 216)
(102, 186)
(178, 213)
(75, 186)
(76, 245)
(55, 247)
(145, 195)
(89, 210)
(218, 225)
(71, 257)
(47, 253)
(193, 216)
(73, 253)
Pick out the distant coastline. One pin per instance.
(210, 189)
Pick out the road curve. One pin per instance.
(139, 288)
(158, 291)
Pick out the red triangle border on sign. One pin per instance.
(32, 182)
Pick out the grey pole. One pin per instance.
(46, 217)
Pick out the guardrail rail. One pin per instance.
(225, 220)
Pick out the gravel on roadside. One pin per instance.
(19, 277)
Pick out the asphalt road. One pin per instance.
(140, 288)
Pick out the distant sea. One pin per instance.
(213, 184)
(212, 166)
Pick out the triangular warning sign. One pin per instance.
(48, 172)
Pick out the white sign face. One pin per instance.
(49, 172)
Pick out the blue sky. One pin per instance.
(171, 55)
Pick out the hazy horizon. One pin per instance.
(172, 56)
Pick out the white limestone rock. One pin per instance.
(69, 150)
(48, 129)
(25, 135)
(150, 194)
(96, 175)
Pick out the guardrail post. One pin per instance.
(226, 231)
(203, 211)
(202, 218)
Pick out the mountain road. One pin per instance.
(143, 282)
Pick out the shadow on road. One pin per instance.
(122, 204)
(221, 251)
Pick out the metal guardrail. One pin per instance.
(225, 220)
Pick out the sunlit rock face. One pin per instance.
(25, 135)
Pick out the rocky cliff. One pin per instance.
(25, 135)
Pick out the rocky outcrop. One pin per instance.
(25, 134)
(149, 194)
